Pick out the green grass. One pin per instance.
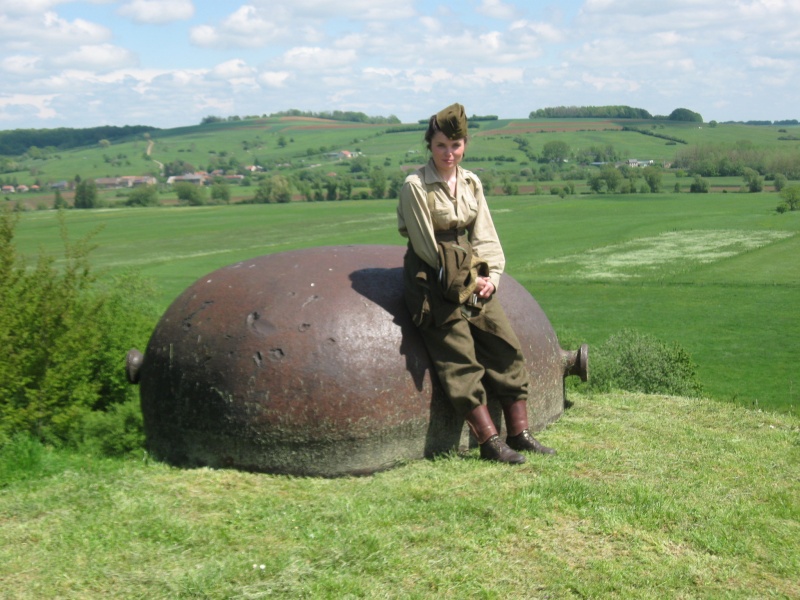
(649, 497)
(734, 314)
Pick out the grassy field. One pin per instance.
(649, 497)
(716, 273)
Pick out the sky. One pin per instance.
(170, 63)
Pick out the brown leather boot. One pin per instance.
(519, 436)
(497, 450)
(492, 447)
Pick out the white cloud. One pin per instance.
(274, 79)
(25, 102)
(20, 65)
(157, 11)
(98, 56)
(496, 9)
(232, 69)
(41, 31)
(27, 7)
(317, 59)
(246, 27)
(614, 83)
(381, 10)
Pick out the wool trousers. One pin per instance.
(474, 365)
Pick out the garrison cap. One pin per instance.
(452, 121)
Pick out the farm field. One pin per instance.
(716, 273)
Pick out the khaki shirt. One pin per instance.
(467, 211)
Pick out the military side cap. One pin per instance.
(453, 121)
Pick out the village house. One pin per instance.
(193, 178)
(632, 162)
(126, 181)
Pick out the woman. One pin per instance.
(452, 270)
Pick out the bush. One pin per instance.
(64, 340)
(637, 362)
(699, 185)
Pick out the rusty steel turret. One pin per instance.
(307, 362)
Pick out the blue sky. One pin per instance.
(169, 63)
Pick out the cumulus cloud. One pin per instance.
(38, 104)
(247, 27)
(401, 57)
(317, 59)
(16, 8)
(98, 56)
(274, 79)
(43, 30)
(157, 11)
(232, 69)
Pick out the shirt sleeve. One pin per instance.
(414, 221)
(484, 238)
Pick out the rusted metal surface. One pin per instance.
(307, 362)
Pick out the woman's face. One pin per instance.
(446, 153)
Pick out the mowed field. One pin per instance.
(717, 273)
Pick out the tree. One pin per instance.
(331, 186)
(221, 192)
(684, 114)
(145, 195)
(275, 189)
(395, 184)
(346, 188)
(611, 176)
(510, 188)
(754, 181)
(555, 151)
(699, 185)
(59, 201)
(596, 182)
(652, 175)
(189, 193)
(377, 183)
(86, 194)
(791, 197)
(780, 182)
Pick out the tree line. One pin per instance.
(335, 115)
(612, 112)
(19, 141)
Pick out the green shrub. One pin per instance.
(64, 338)
(638, 362)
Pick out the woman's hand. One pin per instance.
(484, 287)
